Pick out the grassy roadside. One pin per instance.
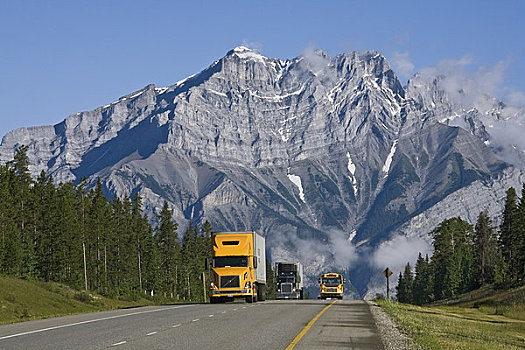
(490, 325)
(22, 300)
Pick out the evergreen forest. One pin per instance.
(66, 233)
(468, 257)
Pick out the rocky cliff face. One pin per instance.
(328, 157)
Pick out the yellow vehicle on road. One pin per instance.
(238, 267)
(331, 285)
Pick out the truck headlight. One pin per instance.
(247, 285)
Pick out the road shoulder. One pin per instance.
(392, 337)
(347, 324)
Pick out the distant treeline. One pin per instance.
(466, 258)
(78, 237)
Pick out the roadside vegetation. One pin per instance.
(74, 235)
(496, 321)
(467, 257)
(472, 288)
(22, 300)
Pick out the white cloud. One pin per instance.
(402, 64)
(483, 88)
(252, 45)
(468, 86)
(316, 60)
(397, 252)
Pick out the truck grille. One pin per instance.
(331, 290)
(230, 281)
(286, 287)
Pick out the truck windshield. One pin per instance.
(331, 281)
(286, 279)
(230, 261)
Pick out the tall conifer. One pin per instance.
(169, 251)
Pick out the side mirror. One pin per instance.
(206, 264)
(255, 262)
(319, 281)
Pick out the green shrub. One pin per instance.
(83, 297)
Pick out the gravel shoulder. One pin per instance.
(393, 338)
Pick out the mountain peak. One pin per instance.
(244, 52)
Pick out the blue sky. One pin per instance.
(62, 57)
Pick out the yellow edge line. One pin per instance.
(307, 327)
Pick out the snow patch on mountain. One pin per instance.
(388, 161)
(296, 180)
(351, 169)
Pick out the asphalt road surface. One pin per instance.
(303, 324)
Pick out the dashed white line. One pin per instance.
(91, 321)
(176, 325)
(235, 309)
(244, 307)
(119, 343)
(210, 315)
(195, 320)
(223, 312)
(151, 333)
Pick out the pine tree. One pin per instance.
(271, 281)
(70, 236)
(485, 247)
(11, 239)
(81, 199)
(509, 235)
(422, 287)
(116, 248)
(99, 223)
(452, 262)
(190, 264)
(520, 242)
(45, 225)
(21, 185)
(405, 284)
(127, 249)
(169, 251)
(146, 252)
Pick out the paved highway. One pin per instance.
(304, 324)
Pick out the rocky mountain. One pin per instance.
(332, 159)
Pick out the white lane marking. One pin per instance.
(91, 321)
(151, 333)
(223, 312)
(176, 325)
(119, 343)
(244, 307)
(195, 320)
(235, 309)
(210, 316)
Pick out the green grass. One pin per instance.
(489, 325)
(22, 300)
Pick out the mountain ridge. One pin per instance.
(297, 149)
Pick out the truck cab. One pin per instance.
(289, 280)
(331, 286)
(238, 267)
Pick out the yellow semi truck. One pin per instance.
(331, 286)
(238, 267)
